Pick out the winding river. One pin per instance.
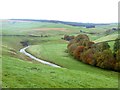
(23, 50)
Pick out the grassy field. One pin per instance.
(19, 71)
(106, 38)
(10, 27)
(28, 75)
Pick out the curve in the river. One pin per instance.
(23, 50)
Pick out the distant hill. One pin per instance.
(63, 22)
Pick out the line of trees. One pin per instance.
(68, 38)
(99, 55)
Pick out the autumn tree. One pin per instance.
(88, 57)
(77, 51)
(101, 46)
(68, 38)
(71, 48)
(118, 55)
(90, 44)
(116, 45)
(117, 66)
(97, 54)
(106, 59)
(81, 37)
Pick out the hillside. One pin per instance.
(20, 71)
(107, 38)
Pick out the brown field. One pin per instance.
(54, 29)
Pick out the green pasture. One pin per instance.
(19, 71)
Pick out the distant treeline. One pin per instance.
(107, 32)
(96, 54)
(87, 25)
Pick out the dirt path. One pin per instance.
(23, 50)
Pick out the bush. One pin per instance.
(117, 66)
(68, 38)
(102, 46)
(70, 43)
(90, 44)
(116, 45)
(88, 57)
(95, 54)
(71, 48)
(81, 40)
(118, 56)
(81, 37)
(106, 60)
(77, 51)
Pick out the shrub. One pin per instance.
(81, 37)
(95, 54)
(90, 44)
(118, 56)
(70, 43)
(116, 45)
(88, 57)
(117, 66)
(106, 59)
(77, 51)
(102, 46)
(68, 38)
(81, 40)
(71, 48)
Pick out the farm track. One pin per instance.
(23, 50)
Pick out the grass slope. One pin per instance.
(56, 53)
(22, 74)
(19, 73)
(27, 28)
(108, 37)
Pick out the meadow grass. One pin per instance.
(19, 73)
(74, 74)
(26, 28)
(23, 74)
(56, 53)
(107, 38)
